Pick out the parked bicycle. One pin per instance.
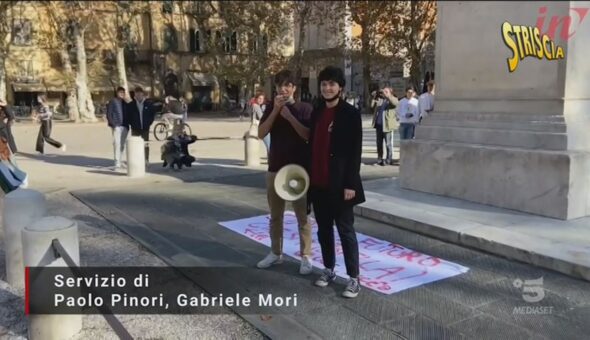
(165, 127)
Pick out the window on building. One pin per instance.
(219, 41)
(254, 43)
(228, 41)
(167, 6)
(170, 39)
(22, 32)
(198, 7)
(197, 41)
(25, 69)
(233, 42)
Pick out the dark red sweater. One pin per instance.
(320, 162)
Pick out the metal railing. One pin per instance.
(112, 320)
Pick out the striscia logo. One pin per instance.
(526, 41)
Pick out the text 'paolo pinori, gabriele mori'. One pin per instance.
(159, 300)
(527, 41)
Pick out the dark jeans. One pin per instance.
(388, 137)
(45, 136)
(145, 135)
(327, 210)
(406, 130)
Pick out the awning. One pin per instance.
(202, 79)
(55, 85)
(28, 87)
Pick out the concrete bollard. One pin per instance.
(38, 252)
(252, 147)
(22, 208)
(135, 156)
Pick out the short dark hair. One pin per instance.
(138, 89)
(332, 73)
(284, 77)
(120, 88)
(410, 88)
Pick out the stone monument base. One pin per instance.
(543, 182)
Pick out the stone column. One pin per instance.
(517, 140)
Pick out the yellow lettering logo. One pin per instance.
(526, 41)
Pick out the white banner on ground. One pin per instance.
(385, 267)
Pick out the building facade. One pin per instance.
(166, 48)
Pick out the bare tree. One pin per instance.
(125, 13)
(302, 11)
(264, 25)
(59, 39)
(80, 15)
(244, 45)
(415, 32)
(5, 41)
(377, 20)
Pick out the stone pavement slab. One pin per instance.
(180, 225)
(102, 244)
(88, 160)
(562, 246)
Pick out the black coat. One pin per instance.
(346, 141)
(132, 114)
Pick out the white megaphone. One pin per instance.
(291, 182)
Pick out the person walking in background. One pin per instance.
(186, 101)
(258, 107)
(44, 114)
(408, 115)
(384, 122)
(6, 121)
(426, 101)
(174, 110)
(118, 122)
(141, 115)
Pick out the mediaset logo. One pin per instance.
(527, 41)
(532, 292)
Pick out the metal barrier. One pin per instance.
(112, 320)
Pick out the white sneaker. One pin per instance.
(306, 266)
(269, 260)
(63, 148)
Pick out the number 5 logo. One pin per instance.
(532, 289)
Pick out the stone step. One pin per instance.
(540, 126)
(544, 242)
(507, 138)
(499, 116)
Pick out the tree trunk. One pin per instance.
(121, 69)
(416, 73)
(366, 56)
(71, 99)
(3, 76)
(85, 105)
(299, 67)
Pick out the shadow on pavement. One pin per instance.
(108, 172)
(83, 161)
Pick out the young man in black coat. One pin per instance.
(141, 114)
(336, 141)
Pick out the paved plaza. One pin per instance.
(148, 222)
